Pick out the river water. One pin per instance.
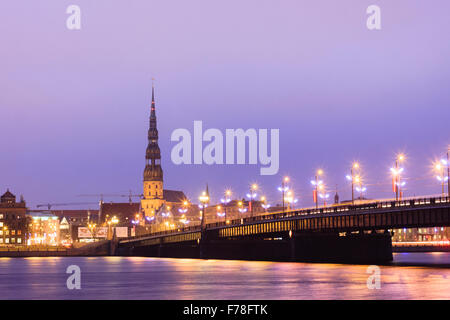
(155, 278)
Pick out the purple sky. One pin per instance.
(75, 104)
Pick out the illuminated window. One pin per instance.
(13, 232)
(1, 224)
(19, 232)
(7, 240)
(13, 240)
(19, 240)
(1, 232)
(1, 216)
(1, 240)
(7, 232)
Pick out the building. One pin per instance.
(71, 220)
(44, 229)
(421, 234)
(154, 196)
(13, 220)
(64, 231)
(124, 213)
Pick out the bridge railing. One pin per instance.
(334, 209)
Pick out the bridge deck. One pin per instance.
(411, 213)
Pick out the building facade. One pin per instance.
(71, 220)
(44, 229)
(13, 220)
(421, 234)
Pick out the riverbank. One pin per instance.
(95, 249)
(102, 248)
(422, 246)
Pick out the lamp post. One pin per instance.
(324, 196)
(322, 193)
(396, 177)
(290, 199)
(316, 183)
(251, 196)
(448, 173)
(355, 167)
(225, 201)
(264, 204)
(220, 214)
(114, 221)
(241, 207)
(283, 189)
(360, 187)
(92, 229)
(184, 207)
(204, 200)
(440, 170)
(109, 230)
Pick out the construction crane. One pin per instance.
(130, 196)
(50, 205)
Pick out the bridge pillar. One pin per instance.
(292, 245)
(113, 246)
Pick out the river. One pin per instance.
(156, 278)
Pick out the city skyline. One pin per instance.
(305, 195)
(81, 129)
(220, 157)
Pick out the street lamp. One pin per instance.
(114, 220)
(225, 201)
(284, 188)
(361, 190)
(397, 184)
(184, 207)
(137, 219)
(448, 173)
(91, 227)
(354, 169)
(439, 167)
(252, 195)
(220, 213)
(290, 199)
(204, 200)
(324, 196)
(317, 183)
(241, 207)
(264, 204)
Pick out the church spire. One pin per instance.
(153, 171)
(153, 106)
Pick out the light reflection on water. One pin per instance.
(153, 278)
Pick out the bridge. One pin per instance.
(342, 233)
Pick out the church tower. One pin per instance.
(153, 196)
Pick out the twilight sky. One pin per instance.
(75, 104)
